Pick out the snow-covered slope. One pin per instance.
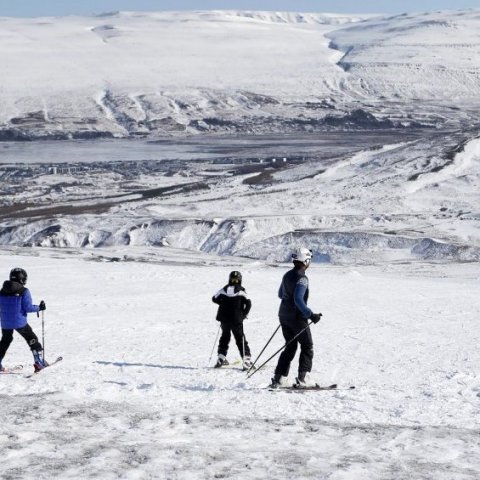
(407, 201)
(135, 398)
(125, 74)
(381, 162)
(430, 56)
(135, 52)
(127, 239)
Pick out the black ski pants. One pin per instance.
(306, 348)
(26, 332)
(237, 330)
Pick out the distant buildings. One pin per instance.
(63, 170)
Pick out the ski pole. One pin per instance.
(279, 350)
(263, 349)
(43, 334)
(213, 348)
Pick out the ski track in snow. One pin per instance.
(135, 398)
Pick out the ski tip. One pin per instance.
(317, 386)
(15, 369)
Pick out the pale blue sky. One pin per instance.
(34, 8)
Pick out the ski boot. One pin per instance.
(304, 380)
(279, 381)
(247, 363)
(39, 362)
(221, 361)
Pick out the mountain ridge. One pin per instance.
(172, 73)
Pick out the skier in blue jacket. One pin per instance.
(15, 303)
(294, 315)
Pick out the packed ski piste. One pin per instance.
(162, 380)
(233, 308)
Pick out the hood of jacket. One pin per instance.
(12, 288)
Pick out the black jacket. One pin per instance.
(233, 304)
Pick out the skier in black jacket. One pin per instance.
(233, 307)
(294, 314)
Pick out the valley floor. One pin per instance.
(135, 396)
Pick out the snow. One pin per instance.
(464, 163)
(127, 240)
(127, 47)
(356, 198)
(173, 73)
(415, 56)
(135, 397)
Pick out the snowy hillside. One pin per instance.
(374, 153)
(129, 74)
(138, 73)
(350, 199)
(159, 152)
(430, 56)
(135, 398)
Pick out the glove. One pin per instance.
(42, 306)
(315, 317)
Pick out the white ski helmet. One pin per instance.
(303, 255)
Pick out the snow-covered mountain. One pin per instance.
(128, 74)
(419, 57)
(376, 159)
(369, 154)
(136, 73)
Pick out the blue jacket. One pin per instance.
(15, 303)
(294, 294)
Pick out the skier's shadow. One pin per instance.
(151, 365)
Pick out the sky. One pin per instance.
(35, 8)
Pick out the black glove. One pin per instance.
(42, 306)
(315, 317)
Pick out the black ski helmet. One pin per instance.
(18, 275)
(235, 277)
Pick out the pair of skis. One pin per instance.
(291, 388)
(312, 388)
(235, 365)
(51, 364)
(18, 369)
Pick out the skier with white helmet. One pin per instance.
(15, 303)
(294, 315)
